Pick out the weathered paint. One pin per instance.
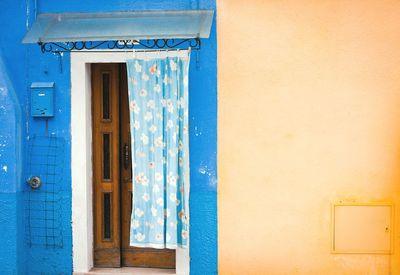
(10, 175)
(308, 114)
(27, 64)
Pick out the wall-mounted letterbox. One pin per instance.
(42, 99)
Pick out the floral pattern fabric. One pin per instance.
(158, 102)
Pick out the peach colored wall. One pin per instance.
(309, 113)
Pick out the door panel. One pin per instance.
(112, 175)
(105, 116)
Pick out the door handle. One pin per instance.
(127, 180)
(126, 156)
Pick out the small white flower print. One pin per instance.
(172, 152)
(152, 164)
(158, 176)
(143, 92)
(133, 81)
(135, 224)
(146, 197)
(153, 128)
(171, 179)
(156, 188)
(180, 144)
(139, 177)
(142, 179)
(173, 224)
(181, 103)
(157, 88)
(166, 80)
(148, 116)
(172, 64)
(159, 115)
(170, 106)
(145, 181)
(138, 67)
(136, 124)
(159, 237)
(133, 106)
(167, 212)
(170, 124)
(153, 211)
(150, 225)
(159, 142)
(160, 221)
(185, 234)
(168, 237)
(151, 104)
(138, 212)
(172, 197)
(160, 201)
(182, 216)
(145, 77)
(139, 236)
(145, 139)
(153, 69)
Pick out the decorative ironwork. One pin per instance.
(59, 47)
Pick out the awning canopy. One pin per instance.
(113, 26)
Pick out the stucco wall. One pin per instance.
(308, 114)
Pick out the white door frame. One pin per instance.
(81, 157)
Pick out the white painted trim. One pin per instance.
(81, 155)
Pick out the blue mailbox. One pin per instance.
(42, 99)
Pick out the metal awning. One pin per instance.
(80, 29)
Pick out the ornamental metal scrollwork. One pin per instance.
(59, 47)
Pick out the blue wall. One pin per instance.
(26, 64)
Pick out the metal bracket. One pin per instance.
(59, 47)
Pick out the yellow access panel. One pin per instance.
(362, 228)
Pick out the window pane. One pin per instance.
(106, 157)
(107, 216)
(106, 96)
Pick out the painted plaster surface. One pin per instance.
(10, 171)
(308, 114)
(26, 64)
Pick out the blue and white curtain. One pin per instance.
(158, 101)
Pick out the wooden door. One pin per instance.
(113, 175)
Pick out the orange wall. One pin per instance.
(309, 113)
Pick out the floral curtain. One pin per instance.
(158, 101)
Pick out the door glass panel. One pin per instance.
(106, 157)
(107, 216)
(106, 96)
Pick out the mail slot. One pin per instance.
(42, 99)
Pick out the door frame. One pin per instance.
(81, 157)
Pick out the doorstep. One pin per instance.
(127, 270)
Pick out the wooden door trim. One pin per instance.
(81, 158)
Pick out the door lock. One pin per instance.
(126, 156)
